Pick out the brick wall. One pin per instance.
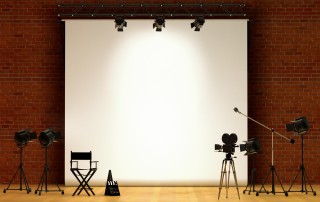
(32, 85)
(284, 71)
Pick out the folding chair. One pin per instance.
(83, 175)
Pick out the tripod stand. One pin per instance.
(251, 184)
(273, 173)
(22, 176)
(272, 168)
(44, 178)
(226, 176)
(304, 176)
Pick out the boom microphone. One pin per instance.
(235, 110)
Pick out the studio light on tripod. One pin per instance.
(120, 23)
(22, 137)
(48, 136)
(198, 23)
(299, 126)
(251, 146)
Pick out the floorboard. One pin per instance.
(158, 194)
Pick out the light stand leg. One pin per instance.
(304, 177)
(25, 181)
(262, 186)
(302, 183)
(41, 182)
(44, 179)
(251, 183)
(22, 177)
(305, 184)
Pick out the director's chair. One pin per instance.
(83, 175)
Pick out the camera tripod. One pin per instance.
(304, 175)
(22, 177)
(44, 179)
(226, 176)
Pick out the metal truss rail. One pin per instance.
(151, 10)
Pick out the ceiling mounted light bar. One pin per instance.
(207, 10)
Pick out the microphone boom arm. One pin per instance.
(271, 129)
(272, 168)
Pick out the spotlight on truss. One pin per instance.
(198, 23)
(159, 23)
(120, 23)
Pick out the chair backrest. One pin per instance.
(81, 156)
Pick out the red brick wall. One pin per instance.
(32, 85)
(283, 72)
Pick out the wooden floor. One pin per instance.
(158, 194)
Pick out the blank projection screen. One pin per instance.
(152, 105)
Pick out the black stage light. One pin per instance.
(120, 23)
(299, 126)
(48, 136)
(252, 146)
(22, 137)
(198, 23)
(229, 143)
(159, 23)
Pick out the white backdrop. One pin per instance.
(152, 105)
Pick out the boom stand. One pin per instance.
(22, 176)
(304, 176)
(272, 168)
(227, 177)
(44, 178)
(273, 173)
